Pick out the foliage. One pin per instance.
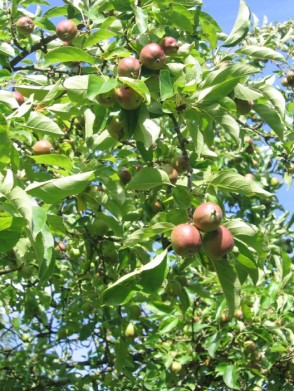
(85, 258)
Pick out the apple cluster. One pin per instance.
(206, 233)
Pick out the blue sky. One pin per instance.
(225, 12)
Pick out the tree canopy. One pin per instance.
(102, 157)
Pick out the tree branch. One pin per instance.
(39, 45)
(182, 145)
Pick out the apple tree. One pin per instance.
(142, 242)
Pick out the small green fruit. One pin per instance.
(107, 99)
(128, 98)
(130, 331)
(274, 181)
(125, 176)
(176, 367)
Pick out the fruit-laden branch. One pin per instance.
(42, 44)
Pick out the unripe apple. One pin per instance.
(224, 317)
(125, 176)
(285, 82)
(107, 99)
(249, 347)
(173, 288)
(248, 140)
(117, 128)
(129, 67)
(42, 147)
(130, 331)
(66, 30)
(25, 25)
(60, 246)
(156, 206)
(98, 227)
(185, 240)
(218, 243)
(207, 216)
(243, 106)
(180, 163)
(171, 172)
(153, 57)
(176, 367)
(169, 45)
(128, 98)
(238, 314)
(291, 168)
(18, 97)
(274, 181)
(290, 77)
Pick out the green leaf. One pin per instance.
(54, 159)
(124, 288)
(275, 97)
(7, 49)
(11, 235)
(22, 202)
(44, 23)
(234, 71)
(182, 197)
(99, 36)
(9, 100)
(98, 85)
(6, 183)
(67, 54)
(38, 122)
(154, 275)
(55, 190)
(147, 130)
(141, 20)
(148, 178)
(230, 283)
(167, 325)
(220, 115)
(39, 220)
(264, 53)
(247, 233)
(230, 377)
(272, 118)
(165, 85)
(209, 28)
(246, 93)
(231, 181)
(44, 248)
(241, 26)
(216, 92)
(77, 87)
(5, 148)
